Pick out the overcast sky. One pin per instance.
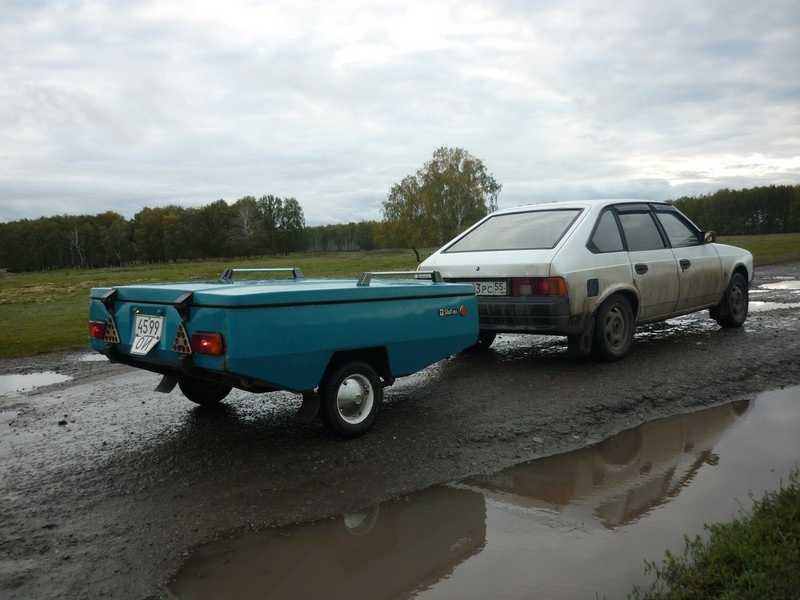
(125, 104)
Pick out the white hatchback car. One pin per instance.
(593, 270)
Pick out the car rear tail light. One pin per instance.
(97, 329)
(208, 343)
(538, 286)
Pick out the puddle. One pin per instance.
(767, 306)
(572, 525)
(791, 284)
(94, 357)
(10, 384)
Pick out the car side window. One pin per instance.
(679, 233)
(606, 236)
(641, 232)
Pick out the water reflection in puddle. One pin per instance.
(19, 383)
(789, 284)
(94, 357)
(567, 526)
(766, 306)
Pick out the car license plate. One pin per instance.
(147, 333)
(490, 288)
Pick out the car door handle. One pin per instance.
(685, 263)
(642, 268)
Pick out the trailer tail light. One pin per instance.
(97, 329)
(538, 286)
(208, 343)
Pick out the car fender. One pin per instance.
(590, 287)
(629, 291)
(735, 259)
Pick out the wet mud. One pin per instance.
(108, 488)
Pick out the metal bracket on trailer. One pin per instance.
(227, 274)
(366, 277)
(183, 304)
(108, 300)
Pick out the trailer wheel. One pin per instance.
(205, 393)
(350, 399)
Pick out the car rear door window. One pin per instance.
(537, 229)
(641, 232)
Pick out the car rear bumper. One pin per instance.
(529, 315)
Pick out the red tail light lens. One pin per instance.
(208, 343)
(538, 286)
(97, 329)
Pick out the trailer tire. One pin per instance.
(204, 393)
(350, 398)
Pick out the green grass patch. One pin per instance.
(767, 249)
(753, 557)
(47, 311)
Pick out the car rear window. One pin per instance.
(534, 230)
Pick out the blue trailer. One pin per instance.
(338, 342)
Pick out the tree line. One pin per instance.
(425, 209)
(265, 226)
(752, 211)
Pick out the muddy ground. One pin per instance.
(106, 485)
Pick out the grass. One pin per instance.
(767, 249)
(753, 557)
(46, 311)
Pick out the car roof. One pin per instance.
(589, 203)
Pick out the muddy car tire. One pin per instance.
(613, 329)
(204, 393)
(485, 339)
(732, 311)
(350, 399)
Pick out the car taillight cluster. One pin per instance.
(97, 329)
(538, 286)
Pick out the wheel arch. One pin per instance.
(630, 295)
(376, 357)
(743, 271)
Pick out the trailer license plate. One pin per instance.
(147, 330)
(490, 288)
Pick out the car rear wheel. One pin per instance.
(350, 399)
(732, 311)
(205, 393)
(485, 339)
(613, 329)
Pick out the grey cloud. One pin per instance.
(129, 104)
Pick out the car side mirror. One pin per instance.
(709, 237)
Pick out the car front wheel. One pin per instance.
(613, 329)
(732, 311)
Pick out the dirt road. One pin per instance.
(106, 486)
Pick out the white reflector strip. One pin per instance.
(112, 335)
(182, 343)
